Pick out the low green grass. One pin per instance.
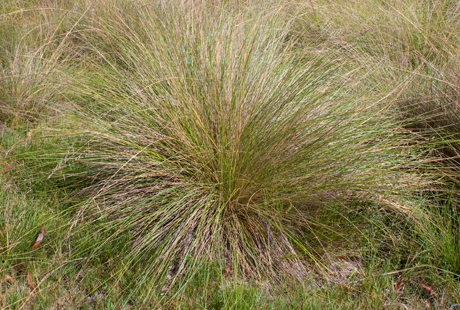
(229, 155)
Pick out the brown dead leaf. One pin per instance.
(29, 283)
(428, 288)
(227, 271)
(399, 285)
(9, 279)
(8, 167)
(39, 238)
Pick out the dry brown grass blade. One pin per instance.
(30, 284)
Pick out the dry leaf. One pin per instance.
(398, 285)
(39, 238)
(227, 271)
(9, 279)
(29, 283)
(429, 289)
(8, 167)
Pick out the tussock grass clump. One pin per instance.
(197, 143)
(201, 137)
(34, 63)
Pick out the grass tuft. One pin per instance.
(212, 143)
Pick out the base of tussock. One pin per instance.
(202, 155)
(387, 267)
